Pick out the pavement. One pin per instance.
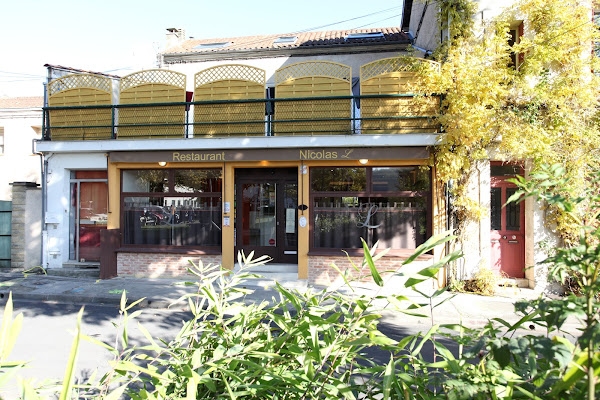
(470, 309)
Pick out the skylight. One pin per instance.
(364, 35)
(286, 39)
(216, 45)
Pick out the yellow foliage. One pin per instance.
(544, 110)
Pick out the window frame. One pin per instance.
(197, 249)
(368, 192)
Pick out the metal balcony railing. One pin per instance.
(333, 115)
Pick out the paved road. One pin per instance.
(47, 335)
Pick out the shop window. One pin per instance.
(389, 205)
(175, 207)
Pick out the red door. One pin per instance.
(507, 230)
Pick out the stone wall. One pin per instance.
(26, 225)
(160, 265)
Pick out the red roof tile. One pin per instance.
(305, 40)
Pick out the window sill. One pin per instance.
(169, 250)
(404, 254)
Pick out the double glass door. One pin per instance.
(266, 204)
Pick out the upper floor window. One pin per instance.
(515, 35)
(286, 40)
(216, 45)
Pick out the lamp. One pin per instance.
(363, 161)
(162, 163)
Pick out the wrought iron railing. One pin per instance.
(333, 115)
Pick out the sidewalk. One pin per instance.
(471, 309)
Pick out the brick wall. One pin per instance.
(159, 265)
(320, 271)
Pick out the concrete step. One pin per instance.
(514, 282)
(82, 271)
(272, 268)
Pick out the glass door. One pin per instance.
(88, 215)
(266, 210)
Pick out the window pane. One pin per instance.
(337, 223)
(258, 209)
(197, 180)
(338, 179)
(172, 221)
(397, 222)
(506, 170)
(146, 181)
(496, 209)
(397, 179)
(513, 212)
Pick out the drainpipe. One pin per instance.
(43, 167)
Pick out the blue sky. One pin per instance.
(121, 37)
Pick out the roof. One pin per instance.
(22, 102)
(323, 39)
(77, 70)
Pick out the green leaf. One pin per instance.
(502, 355)
(374, 273)
(388, 378)
(430, 244)
(70, 371)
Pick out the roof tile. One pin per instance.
(305, 40)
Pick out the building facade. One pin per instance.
(295, 150)
(20, 194)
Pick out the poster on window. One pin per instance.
(290, 220)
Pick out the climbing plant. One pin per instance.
(541, 110)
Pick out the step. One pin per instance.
(80, 271)
(514, 282)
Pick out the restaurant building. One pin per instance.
(291, 146)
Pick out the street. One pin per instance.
(47, 334)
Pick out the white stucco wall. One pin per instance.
(271, 64)
(18, 163)
(430, 34)
(58, 203)
(476, 242)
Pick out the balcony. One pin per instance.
(311, 98)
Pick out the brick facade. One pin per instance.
(320, 271)
(160, 265)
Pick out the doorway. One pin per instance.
(88, 214)
(266, 204)
(507, 223)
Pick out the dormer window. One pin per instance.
(364, 35)
(216, 45)
(286, 40)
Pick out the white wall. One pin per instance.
(59, 202)
(271, 64)
(476, 242)
(18, 163)
(430, 34)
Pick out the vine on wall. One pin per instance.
(544, 110)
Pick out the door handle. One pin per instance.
(513, 241)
